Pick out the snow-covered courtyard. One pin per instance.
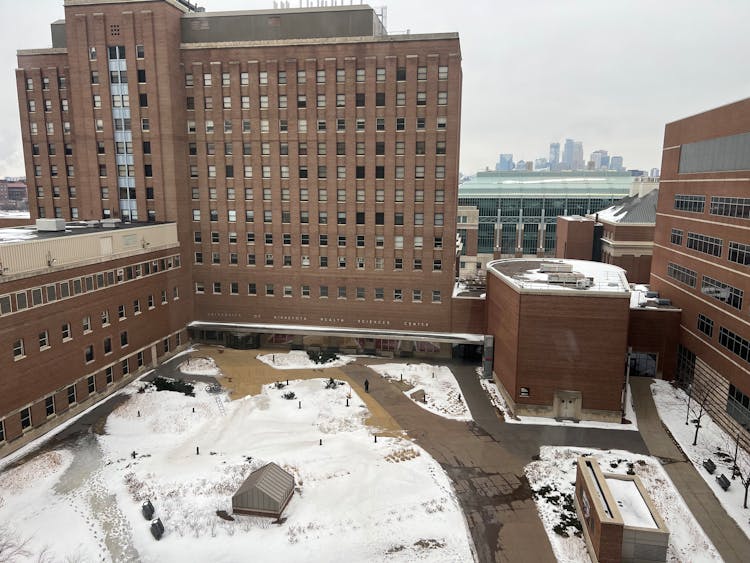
(713, 443)
(434, 388)
(552, 479)
(299, 359)
(356, 499)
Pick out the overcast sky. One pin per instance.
(607, 73)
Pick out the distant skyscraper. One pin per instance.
(615, 163)
(600, 159)
(567, 155)
(554, 154)
(541, 164)
(520, 165)
(505, 163)
(654, 173)
(578, 162)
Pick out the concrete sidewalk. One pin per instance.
(489, 480)
(731, 542)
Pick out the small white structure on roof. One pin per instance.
(265, 492)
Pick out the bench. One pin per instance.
(723, 481)
(709, 465)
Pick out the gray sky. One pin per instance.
(608, 73)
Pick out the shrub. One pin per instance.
(289, 395)
(164, 384)
(322, 357)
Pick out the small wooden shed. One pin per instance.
(265, 492)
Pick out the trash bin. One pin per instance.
(148, 510)
(157, 529)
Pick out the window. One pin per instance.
(49, 405)
(437, 265)
(442, 122)
(416, 295)
(739, 253)
(730, 206)
(421, 98)
(732, 296)
(436, 296)
(705, 325)
(734, 343)
(442, 98)
(442, 73)
(359, 99)
(682, 274)
(704, 243)
(25, 419)
(690, 203)
(676, 237)
(88, 353)
(18, 349)
(401, 73)
(65, 330)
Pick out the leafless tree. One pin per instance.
(697, 406)
(12, 547)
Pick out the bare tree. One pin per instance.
(697, 406)
(12, 547)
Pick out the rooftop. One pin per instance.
(632, 210)
(574, 277)
(493, 184)
(29, 232)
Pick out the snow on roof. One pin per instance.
(271, 480)
(631, 209)
(17, 234)
(581, 276)
(633, 507)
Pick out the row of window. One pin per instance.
(438, 219)
(282, 101)
(323, 261)
(286, 239)
(399, 147)
(322, 195)
(320, 76)
(420, 124)
(711, 287)
(340, 292)
(738, 252)
(38, 296)
(62, 83)
(724, 206)
(20, 348)
(399, 172)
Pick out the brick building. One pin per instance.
(702, 253)
(309, 159)
(621, 234)
(560, 333)
(82, 311)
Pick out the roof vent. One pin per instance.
(555, 267)
(50, 225)
(110, 223)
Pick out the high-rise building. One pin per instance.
(702, 253)
(504, 163)
(616, 164)
(568, 154)
(600, 158)
(578, 161)
(554, 155)
(309, 160)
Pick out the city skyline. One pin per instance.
(622, 103)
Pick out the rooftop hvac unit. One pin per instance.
(652, 295)
(664, 301)
(555, 267)
(110, 223)
(50, 225)
(563, 277)
(584, 283)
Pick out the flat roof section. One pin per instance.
(30, 232)
(574, 277)
(633, 507)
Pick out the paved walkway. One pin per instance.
(729, 539)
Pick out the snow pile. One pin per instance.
(200, 366)
(436, 384)
(498, 401)
(355, 499)
(713, 443)
(552, 479)
(299, 359)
